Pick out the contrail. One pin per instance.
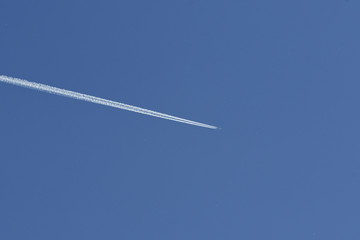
(92, 99)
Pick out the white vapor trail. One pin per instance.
(92, 99)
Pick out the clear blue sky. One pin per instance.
(281, 78)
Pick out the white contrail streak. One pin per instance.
(92, 99)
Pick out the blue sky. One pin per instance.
(281, 78)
